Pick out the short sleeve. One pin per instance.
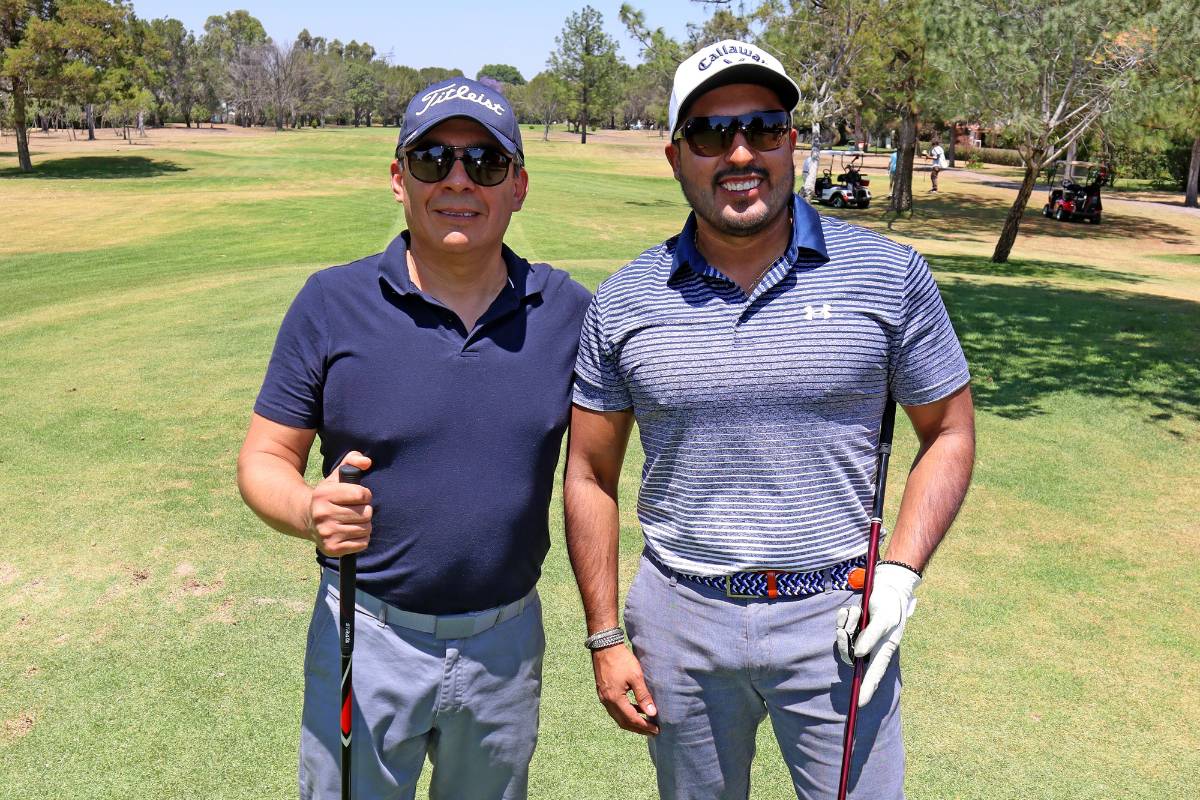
(598, 382)
(293, 389)
(928, 362)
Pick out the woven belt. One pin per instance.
(775, 583)
(445, 626)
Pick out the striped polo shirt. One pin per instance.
(759, 415)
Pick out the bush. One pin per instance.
(988, 155)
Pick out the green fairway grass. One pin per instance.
(152, 629)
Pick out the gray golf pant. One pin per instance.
(718, 666)
(470, 705)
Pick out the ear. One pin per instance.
(673, 156)
(792, 136)
(520, 188)
(398, 182)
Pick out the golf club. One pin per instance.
(347, 588)
(886, 427)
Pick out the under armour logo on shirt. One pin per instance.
(824, 312)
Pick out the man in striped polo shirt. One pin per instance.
(756, 350)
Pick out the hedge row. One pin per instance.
(988, 155)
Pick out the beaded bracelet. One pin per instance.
(908, 567)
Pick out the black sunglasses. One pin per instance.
(486, 166)
(713, 136)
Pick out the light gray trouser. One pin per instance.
(718, 666)
(470, 704)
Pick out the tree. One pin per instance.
(818, 43)
(285, 73)
(230, 67)
(82, 53)
(173, 58)
(586, 60)
(431, 75)
(1043, 72)
(661, 56)
(543, 99)
(503, 73)
(16, 65)
(1176, 104)
(363, 90)
(895, 78)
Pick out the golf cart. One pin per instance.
(850, 190)
(1077, 193)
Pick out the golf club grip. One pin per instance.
(347, 589)
(887, 427)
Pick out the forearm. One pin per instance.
(933, 494)
(593, 535)
(275, 491)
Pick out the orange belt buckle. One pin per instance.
(857, 579)
(772, 588)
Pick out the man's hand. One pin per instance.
(618, 673)
(339, 516)
(891, 604)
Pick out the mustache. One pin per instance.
(744, 172)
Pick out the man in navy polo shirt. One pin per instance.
(442, 367)
(756, 350)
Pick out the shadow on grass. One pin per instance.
(1027, 341)
(102, 167)
(1028, 268)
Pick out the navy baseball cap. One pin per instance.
(462, 97)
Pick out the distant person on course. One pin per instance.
(937, 163)
(441, 366)
(756, 351)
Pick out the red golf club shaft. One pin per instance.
(347, 588)
(886, 427)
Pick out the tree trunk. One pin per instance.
(1193, 175)
(902, 199)
(810, 180)
(546, 132)
(90, 113)
(1012, 223)
(20, 126)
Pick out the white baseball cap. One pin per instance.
(728, 62)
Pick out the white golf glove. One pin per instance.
(892, 603)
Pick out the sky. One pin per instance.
(463, 34)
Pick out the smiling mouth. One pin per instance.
(740, 183)
(458, 214)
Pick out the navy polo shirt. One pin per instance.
(463, 427)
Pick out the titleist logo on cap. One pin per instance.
(723, 51)
(456, 92)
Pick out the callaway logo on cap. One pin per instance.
(461, 97)
(723, 63)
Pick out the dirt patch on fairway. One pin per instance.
(139, 575)
(223, 613)
(8, 574)
(296, 606)
(19, 726)
(191, 586)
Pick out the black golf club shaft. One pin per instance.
(347, 589)
(886, 428)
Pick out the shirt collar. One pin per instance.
(806, 236)
(523, 278)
